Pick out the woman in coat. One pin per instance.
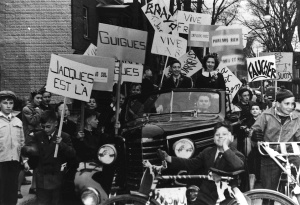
(208, 76)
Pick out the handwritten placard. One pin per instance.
(220, 40)
(261, 68)
(233, 84)
(159, 16)
(131, 72)
(104, 69)
(184, 19)
(168, 45)
(171, 196)
(233, 59)
(121, 43)
(199, 35)
(284, 65)
(91, 50)
(190, 64)
(70, 79)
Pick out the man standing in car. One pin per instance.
(177, 80)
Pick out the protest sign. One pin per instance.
(233, 59)
(233, 84)
(168, 45)
(91, 50)
(284, 65)
(190, 64)
(70, 79)
(131, 72)
(171, 196)
(261, 68)
(199, 35)
(184, 19)
(104, 69)
(225, 39)
(159, 16)
(121, 43)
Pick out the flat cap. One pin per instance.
(7, 93)
(283, 94)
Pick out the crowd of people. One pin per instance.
(28, 140)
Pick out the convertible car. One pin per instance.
(179, 121)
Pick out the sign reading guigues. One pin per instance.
(70, 79)
(131, 72)
(168, 45)
(261, 68)
(121, 43)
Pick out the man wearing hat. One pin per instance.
(277, 124)
(11, 142)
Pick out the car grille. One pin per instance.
(137, 151)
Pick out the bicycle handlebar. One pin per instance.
(284, 148)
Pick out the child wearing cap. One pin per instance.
(11, 142)
(277, 124)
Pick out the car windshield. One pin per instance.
(206, 102)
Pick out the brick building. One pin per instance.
(30, 31)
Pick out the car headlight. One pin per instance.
(107, 154)
(184, 148)
(90, 196)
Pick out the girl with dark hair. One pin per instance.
(208, 76)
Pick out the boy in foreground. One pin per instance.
(11, 141)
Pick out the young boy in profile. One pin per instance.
(251, 148)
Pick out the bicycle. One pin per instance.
(288, 184)
(250, 197)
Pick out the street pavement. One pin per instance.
(28, 199)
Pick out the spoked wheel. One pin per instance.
(128, 199)
(266, 197)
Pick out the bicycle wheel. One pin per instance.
(266, 197)
(128, 199)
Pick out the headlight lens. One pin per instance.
(90, 196)
(107, 154)
(184, 148)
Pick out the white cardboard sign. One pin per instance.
(121, 43)
(104, 69)
(199, 34)
(168, 45)
(284, 65)
(70, 79)
(159, 16)
(190, 64)
(184, 19)
(131, 72)
(221, 40)
(233, 84)
(91, 50)
(261, 68)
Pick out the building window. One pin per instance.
(85, 22)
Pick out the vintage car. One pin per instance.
(179, 121)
